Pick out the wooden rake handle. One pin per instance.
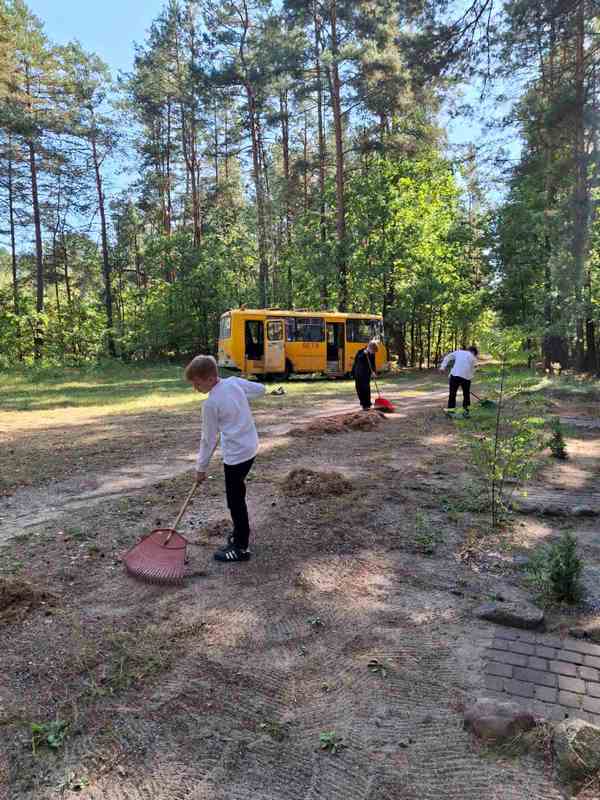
(182, 512)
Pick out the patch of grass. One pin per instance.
(278, 731)
(133, 658)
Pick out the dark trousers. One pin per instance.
(235, 489)
(363, 390)
(455, 382)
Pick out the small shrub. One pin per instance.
(330, 742)
(556, 571)
(48, 734)
(557, 443)
(426, 536)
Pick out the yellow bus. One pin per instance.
(275, 342)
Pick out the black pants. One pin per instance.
(235, 489)
(363, 390)
(455, 382)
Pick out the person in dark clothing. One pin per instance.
(362, 370)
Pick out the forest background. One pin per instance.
(295, 154)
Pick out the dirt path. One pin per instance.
(31, 506)
(354, 619)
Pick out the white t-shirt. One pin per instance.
(464, 364)
(227, 411)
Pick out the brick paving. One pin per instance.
(555, 678)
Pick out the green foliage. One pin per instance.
(557, 442)
(48, 734)
(426, 534)
(330, 742)
(555, 571)
(505, 450)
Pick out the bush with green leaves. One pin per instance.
(555, 571)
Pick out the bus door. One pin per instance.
(254, 345)
(274, 346)
(335, 347)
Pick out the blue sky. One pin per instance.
(106, 27)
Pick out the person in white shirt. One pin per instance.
(461, 374)
(227, 412)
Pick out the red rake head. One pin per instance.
(384, 405)
(155, 560)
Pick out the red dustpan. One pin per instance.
(381, 403)
(384, 405)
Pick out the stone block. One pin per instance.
(538, 663)
(562, 668)
(502, 670)
(569, 699)
(534, 676)
(520, 688)
(571, 684)
(504, 657)
(546, 694)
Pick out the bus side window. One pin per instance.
(358, 330)
(306, 329)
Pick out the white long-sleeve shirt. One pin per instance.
(464, 364)
(226, 411)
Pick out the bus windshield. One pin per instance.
(225, 327)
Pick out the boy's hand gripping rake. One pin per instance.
(160, 556)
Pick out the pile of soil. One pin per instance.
(355, 421)
(18, 597)
(311, 483)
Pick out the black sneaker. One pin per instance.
(231, 554)
(466, 414)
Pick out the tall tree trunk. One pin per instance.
(66, 263)
(324, 289)
(11, 222)
(106, 270)
(336, 105)
(216, 143)
(169, 203)
(263, 266)
(38, 338)
(285, 143)
(580, 194)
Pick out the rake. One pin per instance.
(160, 556)
(484, 402)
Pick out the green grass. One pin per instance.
(110, 385)
(567, 385)
(134, 387)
